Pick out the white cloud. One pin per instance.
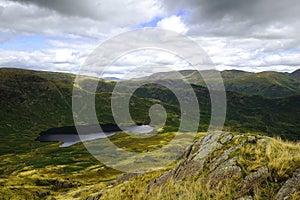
(173, 23)
(238, 35)
(59, 18)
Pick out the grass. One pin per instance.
(24, 161)
(22, 172)
(281, 157)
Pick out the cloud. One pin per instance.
(242, 34)
(69, 18)
(102, 10)
(173, 23)
(240, 17)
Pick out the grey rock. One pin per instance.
(227, 170)
(205, 152)
(95, 197)
(237, 136)
(251, 138)
(127, 176)
(254, 179)
(160, 180)
(42, 193)
(192, 160)
(217, 161)
(226, 138)
(245, 198)
(291, 186)
(196, 160)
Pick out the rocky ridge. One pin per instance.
(217, 159)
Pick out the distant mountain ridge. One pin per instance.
(267, 84)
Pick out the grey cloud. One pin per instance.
(122, 13)
(259, 11)
(69, 7)
(75, 17)
(237, 27)
(238, 17)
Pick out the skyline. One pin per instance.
(59, 35)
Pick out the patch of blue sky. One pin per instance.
(183, 13)
(26, 43)
(153, 22)
(36, 42)
(150, 24)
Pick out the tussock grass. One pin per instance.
(281, 157)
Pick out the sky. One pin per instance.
(58, 35)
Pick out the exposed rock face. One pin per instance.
(227, 170)
(215, 154)
(255, 178)
(291, 186)
(221, 159)
(196, 157)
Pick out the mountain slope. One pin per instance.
(267, 84)
(28, 95)
(32, 102)
(220, 165)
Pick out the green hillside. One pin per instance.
(267, 84)
(28, 95)
(34, 101)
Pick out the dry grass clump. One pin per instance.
(281, 158)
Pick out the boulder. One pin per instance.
(291, 186)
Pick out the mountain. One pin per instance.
(32, 102)
(112, 79)
(267, 84)
(296, 74)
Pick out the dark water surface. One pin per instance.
(69, 136)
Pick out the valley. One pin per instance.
(34, 101)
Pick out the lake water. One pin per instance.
(69, 139)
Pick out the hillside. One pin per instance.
(28, 95)
(220, 165)
(296, 74)
(33, 101)
(266, 84)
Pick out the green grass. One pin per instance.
(32, 102)
(282, 158)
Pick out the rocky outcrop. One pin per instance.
(220, 160)
(227, 170)
(254, 179)
(55, 184)
(196, 157)
(215, 154)
(291, 186)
